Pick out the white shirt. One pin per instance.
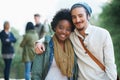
(99, 43)
(54, 72)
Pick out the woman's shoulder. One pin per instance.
(48, 38)
(2, 32)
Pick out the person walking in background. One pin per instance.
(28, 48)
(58, 61)
(92, 45)
(7, 40)
(39, 27)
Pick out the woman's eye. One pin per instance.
(68, 29)
(60, 27)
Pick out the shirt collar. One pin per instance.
(87, 31)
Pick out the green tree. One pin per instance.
(17, 70)
(110, 19)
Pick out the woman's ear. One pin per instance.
(54, 29)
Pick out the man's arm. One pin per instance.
(37, 68)
(39, 46)
(109, 58)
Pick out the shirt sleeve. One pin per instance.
(37, 68)
(12, 38)
(42, 40)
(109, 58)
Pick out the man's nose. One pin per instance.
(77, 19)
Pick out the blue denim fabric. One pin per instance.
(7, 68)
(27, 70)
(51, 52)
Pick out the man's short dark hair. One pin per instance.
(36, 15)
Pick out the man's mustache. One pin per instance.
(77, 22)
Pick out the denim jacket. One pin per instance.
(42, 63)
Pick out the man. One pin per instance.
(39, 26)
(97, 40)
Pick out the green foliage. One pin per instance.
(111, 14)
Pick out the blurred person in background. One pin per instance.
(7, 40)
(39, 27)
(28, 48)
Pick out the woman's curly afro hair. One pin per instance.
(63, 14)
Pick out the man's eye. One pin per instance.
(73, 17)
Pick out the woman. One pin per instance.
(7, 39)
(58, 61)
(28, 48)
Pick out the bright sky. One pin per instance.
(19, 12)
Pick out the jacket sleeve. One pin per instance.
(109, 58)
(5, 39)
(37, 68)
(75, 69)
(24, 41)
(12, 38)
(41, 63)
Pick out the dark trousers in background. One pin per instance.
(7, 68)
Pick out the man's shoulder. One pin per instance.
(99, 29)
(41, 25)
(72, 35)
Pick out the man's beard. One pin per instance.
(80, 29)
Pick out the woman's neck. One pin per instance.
(6, 30)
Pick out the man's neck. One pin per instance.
(82, 32)
(38, 23)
